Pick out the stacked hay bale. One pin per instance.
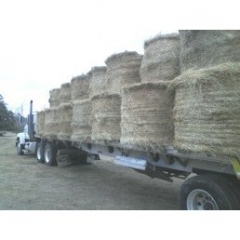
(147, 115)
(147, 106)
(106, 118)
(40, 122)
(51, 126)
(161, 60)
(122, 69)
(64, 113)
(80, 87)
(54, 97)
(97, 81)
(65, 93)
(81, 111)
(206, 112)
(203, 48)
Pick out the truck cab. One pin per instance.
(26, 140)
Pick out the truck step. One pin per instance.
(131, 162)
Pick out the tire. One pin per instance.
(207, 192)
(234, 185)
(50, 154)
(40, 152)
(19, 148)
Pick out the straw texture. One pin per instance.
(161, 60)
(147, 115)
(207, 112)
(206, 48)
(122, 70)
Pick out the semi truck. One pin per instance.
(210, 182)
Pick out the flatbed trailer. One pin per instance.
(215, 185)
(211, 182)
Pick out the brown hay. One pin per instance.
(64, 113)
(40, 122)
(122, 70)
(54, 97)
(50, 129)
(106, 118)
(97, 82)
(161, 58)
(80, 87)
(147, 115)
(81, 121)
(65, 94)
(208, 48)
(207, 112)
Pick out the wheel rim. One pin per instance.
(47, 156)
(38, 153)
(199, 199)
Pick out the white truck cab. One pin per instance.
(26, 142)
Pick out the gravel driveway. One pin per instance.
(99, 185)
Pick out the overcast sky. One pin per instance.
(44, 43)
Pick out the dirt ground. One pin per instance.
(26, 184)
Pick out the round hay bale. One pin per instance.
(97, 82)
(81, 121)
(106, 118)
(122, 69)
(80, 87)
(50, 129)
(207, 112)
(161, 59)
(64, 113)
(147, 115)
(40, 122)
(206, 48)
(65, 94)
(54, 97)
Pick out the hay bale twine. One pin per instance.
(97, 82)
(122, 69)
(80, 87)
(50, 129)
(65, 94)
(206, 48)
(40, 122)
(147, 115)
(54, 97)
(81, 121)
(161, 59)
(64, 113)
(106, 118)
(207, 112)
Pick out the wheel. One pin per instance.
(207, 192)
(50, 154)
(19, 148)
(40, 152)
(234, 185)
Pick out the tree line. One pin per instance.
(7, 119)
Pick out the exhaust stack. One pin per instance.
(30, 122)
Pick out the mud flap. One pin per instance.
(236, 167)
